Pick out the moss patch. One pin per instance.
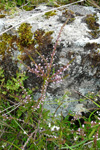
(91, 21)
(26, 42)
(95, 33)
(2, 16)
(94, 55)
(91, 46)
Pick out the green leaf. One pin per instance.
(4, 92)
(92, 132)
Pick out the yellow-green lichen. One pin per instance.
(28, 8)
(49, 14)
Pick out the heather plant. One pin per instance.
(25, 124)
(23, 100)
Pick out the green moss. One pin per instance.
(91, 21)
(2, 48)
(9, 39)
(91, 46)
(95, 58)
(94, 55)
(25, 34)
(95, 33)
(26, 42)
(2, 16)
(6, 44)
(49, 14)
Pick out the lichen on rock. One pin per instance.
(49, 14)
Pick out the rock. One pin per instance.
(84, 71)
(2, 25)
(79, 108)
(82, 10)
(41, 8)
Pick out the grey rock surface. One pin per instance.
(2, 25)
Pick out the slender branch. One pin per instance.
(93, 3)
(57, 109)
(21, 127)
(9, 107)
(23, 148)
(55, 46)
(91, 141)
(12, 109)
(2, 96)
(87, 98)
